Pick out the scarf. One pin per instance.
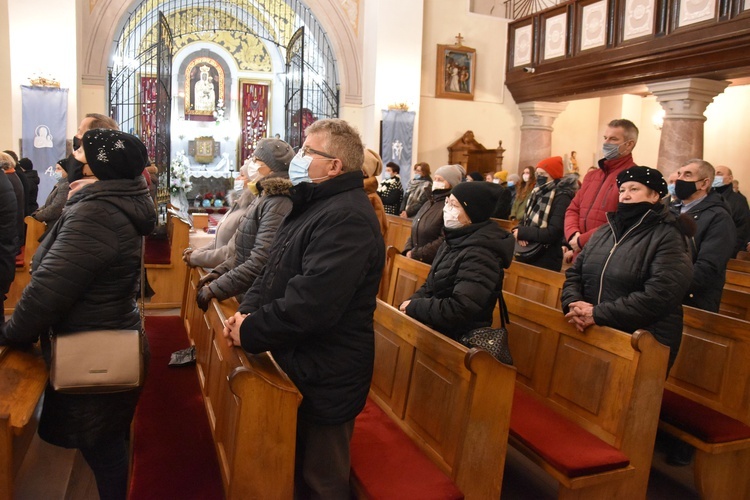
(539, 205)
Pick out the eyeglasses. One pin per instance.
(307, 150)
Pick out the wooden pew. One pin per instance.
(735, 299)
(575, 390)
(34, 231)
(534, 283)
(23, 377)
(167, 275)
(251, 405)
(399, 230)
(505, 224)
(707, 402)
(452, 402)
(405, 277)
(741, 265)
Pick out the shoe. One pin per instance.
(680, 454)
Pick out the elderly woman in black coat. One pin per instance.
(86, 277)
(466, 276)
(635, 270)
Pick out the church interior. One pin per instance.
(201, 82)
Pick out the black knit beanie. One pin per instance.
(478, 199)
(112, 154)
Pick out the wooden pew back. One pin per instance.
(251, 405)
(34, 231)
(167, 280)
(740, 265)
(534, 283)
(712, 366)
(453, 403)
(406, 276)
(23, 377)
(399, 230)
(608, 382)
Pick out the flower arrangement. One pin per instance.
(179, 174)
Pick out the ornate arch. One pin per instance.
(102, 23)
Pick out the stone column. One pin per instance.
(684, 102)
(536, 131)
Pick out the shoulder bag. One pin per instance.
(99, 361)
(492, 340)
(530, 253)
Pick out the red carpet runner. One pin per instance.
(173, 451)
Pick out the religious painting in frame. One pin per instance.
(638, 19)
(255, 114)
(592, 22)
(146, 125)
(204, 87)
(456, 72)
(554, 41)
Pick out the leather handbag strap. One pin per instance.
(143, 285)
(504, 318)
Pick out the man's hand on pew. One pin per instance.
(204, 298)
(580, 314)
(231, 330)
(403, 306)
(208, 278)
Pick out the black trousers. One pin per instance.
(109, 462)
(322, 462)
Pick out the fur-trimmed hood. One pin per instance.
(275, 186)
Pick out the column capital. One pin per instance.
(687, 98)
(540, 115)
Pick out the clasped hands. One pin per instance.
(231, 330)
(580, 314)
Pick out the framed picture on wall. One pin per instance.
(204, 87)
(456, 72)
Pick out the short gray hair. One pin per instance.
(705, 169)
(6, 161)
(342, 141)
(631, 131)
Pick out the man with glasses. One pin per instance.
(715, 235)
(313, 305)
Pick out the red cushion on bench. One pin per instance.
(389, 465)
(701, 421)
(157, 251)
(563, 444)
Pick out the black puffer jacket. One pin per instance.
(552, 235)
(740, 212)
(253, 239)
(427, 228)
(86, 276)
(637, 281)
(313, 305)
(8, 234)
(32, 179)
(461, 289)
(711, 248)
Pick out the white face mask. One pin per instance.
(239, 184)
(496, 181)
(450, 217)
(437, 185)
(526, 177)
(252, 169)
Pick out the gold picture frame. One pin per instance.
(204, 86)
(456, 72)
(205, 149)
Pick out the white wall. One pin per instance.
(492, 115)
(42, 41)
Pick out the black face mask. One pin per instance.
(76, 143)
(541, 180)
(685, 189)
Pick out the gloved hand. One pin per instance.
(208, 278)
(204, 297)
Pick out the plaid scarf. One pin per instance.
(539, 205)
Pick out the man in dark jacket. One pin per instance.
(598, 193)
(8, 236)
(737, 204)
(715, 238)
(313, 305)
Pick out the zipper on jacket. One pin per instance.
(612, 251)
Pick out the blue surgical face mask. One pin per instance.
(670, 188)
(511, 184)
(299, 169)
(386, 175)
(610, 151)
(56, 175)
(718, 181)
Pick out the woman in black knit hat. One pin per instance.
(466, 276)
(635, 270)
(85, 276)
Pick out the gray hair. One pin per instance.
(340, 140)
(705, 169)
(6, 161)
(631, 131)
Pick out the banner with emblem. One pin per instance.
(396, 140)
(45, 116)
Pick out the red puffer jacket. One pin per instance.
(597, 196)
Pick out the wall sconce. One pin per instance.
(658, 119)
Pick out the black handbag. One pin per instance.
(531, 252)
(492, 340)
